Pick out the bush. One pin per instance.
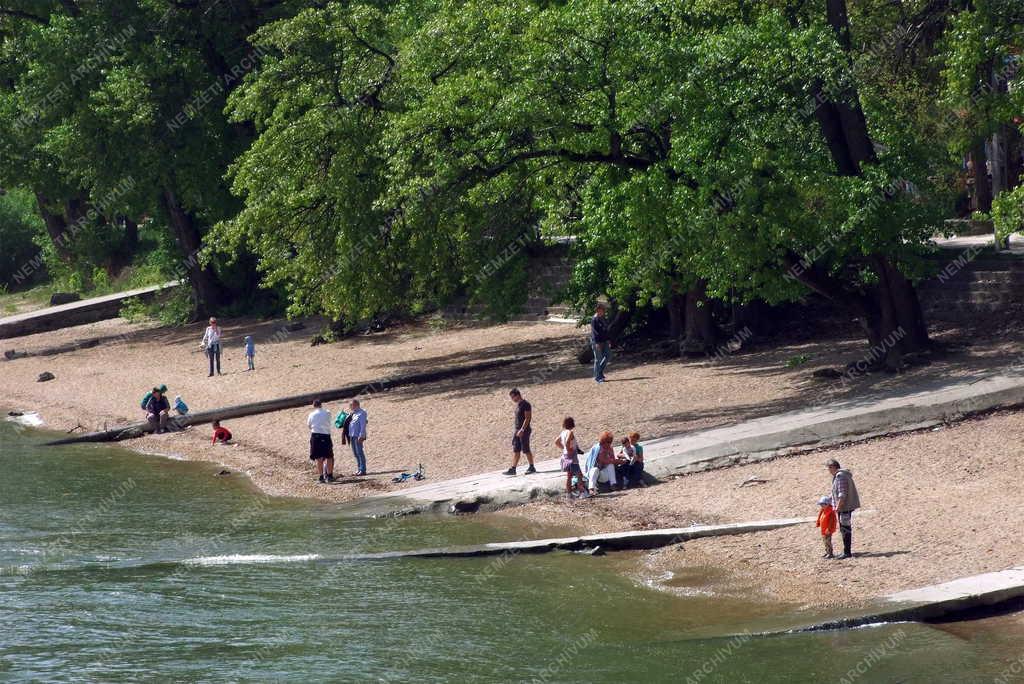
(1008, 212)
(20, 259)
(133, 310)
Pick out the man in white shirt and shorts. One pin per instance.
(321, 449)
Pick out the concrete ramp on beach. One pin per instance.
(941, 602)
(635, 540)
(75, 313)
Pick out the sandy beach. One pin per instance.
(934, 501)
(937, 505)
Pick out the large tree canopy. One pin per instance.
(383, 156)
(111, 111)
(753, 149)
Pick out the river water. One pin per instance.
(121, 567)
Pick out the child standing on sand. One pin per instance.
(250, 352)
(827, 523)
(570, 463)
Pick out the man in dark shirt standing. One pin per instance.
(521, 436)
(599, 342)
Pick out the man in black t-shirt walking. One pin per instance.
(521, 436)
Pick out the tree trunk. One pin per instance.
(701, 331)
(125, 251)
(889, 311)
(907, 306)
(76, 211)
(130, 240)
(206, 286)
(1013, 155)
(892, 320)
(840, 115)
(982, 184)
(675, 315)
(56, 228)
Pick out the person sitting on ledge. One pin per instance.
(623, 462)
(157, 409)
(600, 464)
(145, 399)
(635, 472)
(220, 434)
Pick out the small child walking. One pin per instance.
(250, 352)
(827, 523)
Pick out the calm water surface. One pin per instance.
(121, 567)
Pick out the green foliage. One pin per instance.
(437, 323)
(981, 54)
(134, 310)
(798, 360)
(174, 308)
(116, 109)
(391, 157)
(19, 225)
(1008, 213)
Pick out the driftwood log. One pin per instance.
(13, 354)
(294, 401)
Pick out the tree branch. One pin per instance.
(20, 14)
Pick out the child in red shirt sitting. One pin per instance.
(827, 523)
(220, 433)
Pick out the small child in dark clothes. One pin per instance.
(221, 434)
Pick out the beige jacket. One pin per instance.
(844, 488)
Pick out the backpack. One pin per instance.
(145, 399)
(340, 420)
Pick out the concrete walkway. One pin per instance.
(934, 403)
(75, 313)
(942, 601)
(962, 242)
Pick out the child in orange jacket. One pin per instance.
(827, 523)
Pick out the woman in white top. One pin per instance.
(211, 343)
(566, 441)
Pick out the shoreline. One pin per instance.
(458, 428)
(709, 567)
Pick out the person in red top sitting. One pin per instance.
(827, 523)
(220, 433)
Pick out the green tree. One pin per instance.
(19, 226)
(696, 148)
(115, 111)
(982, 56)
